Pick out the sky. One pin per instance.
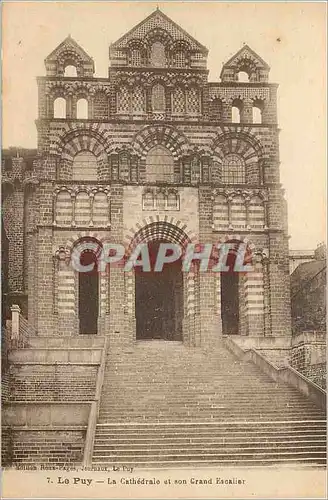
(290, 37)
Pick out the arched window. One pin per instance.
(233, 170)
(138, 100)
(243, 77)
(64, 209)
(238, 212)
(135, 57)
(172, 201)
(123, 100)
(159, 165)
(257, 111)
(60, 107)
(235, 114)
(180, 59)
(160, 201)
(148, 201)
(257, 115)
(158, 98)
(157, 55)
(85, 166)
(193, 101)
(82, 209)
(82, 109)
(195, 170)
(70, 70)
(178, 101)
(100, 210)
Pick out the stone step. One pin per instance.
(208, 438)
(197, 405)
(211, 413)
(128, 448)
(242, 455)
(190, 463)
(242, 452)
(203, 433)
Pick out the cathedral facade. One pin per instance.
(120, 365)
(152, 153)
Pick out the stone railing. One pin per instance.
(94, 409)
(20, 329)
(286, 374)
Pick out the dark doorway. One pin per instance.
(159, 300)
(88, 295)
(230, 303)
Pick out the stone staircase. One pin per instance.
(164, 404)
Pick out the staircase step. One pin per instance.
(164, 405)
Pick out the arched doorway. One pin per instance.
(159, 299)
(88, 294)
(233, 290)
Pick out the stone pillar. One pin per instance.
(64, 294)
(247, 112)
(217, 302)
(45, 260)
(209, 318)
(279, 283)
(226, 112)
(118, 325)
(45, 281)
(254, 298)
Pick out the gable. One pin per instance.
(69, 45)
(159, 21)
(246, 54)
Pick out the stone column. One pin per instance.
(247, 112)
(209, 318)
(254, 298)
(117, 329)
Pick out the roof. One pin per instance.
(69, 43)
(246, 53)
(158, 19)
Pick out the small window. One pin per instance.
(148, 201)
(159, 165)
(172, 202)
(180, 59)
(70, 70)
(60, 107)
(82, 109)
(135, 57)
(237, 106)
(178, 101)
(243, 77)
(235, 114)
(160, 201)
(233, 170)
(257, 111)
(158, 98)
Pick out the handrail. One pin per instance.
(94, 408)
(286, 374)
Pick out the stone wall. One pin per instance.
(308, 356)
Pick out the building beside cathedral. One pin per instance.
(152, 153)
